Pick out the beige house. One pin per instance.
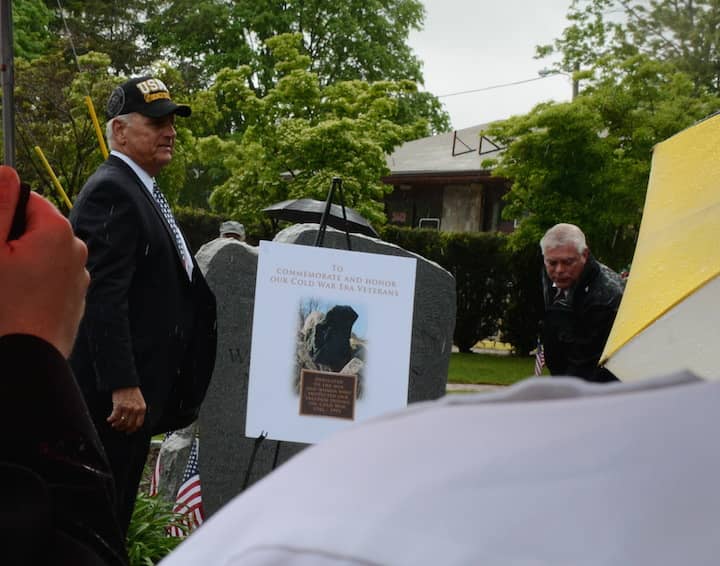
(439, 182)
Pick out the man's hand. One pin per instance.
(43, 279)
(129, 408)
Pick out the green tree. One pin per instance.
(115, 28)
(684, 33)
(351, 40)
(51, 114)
(237, 113)
(645, 75)
(355, 39)
(587, 39)
(295, 139)
(31, 22)
(587, 162)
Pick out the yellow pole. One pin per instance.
(55, 181)
(98, 130)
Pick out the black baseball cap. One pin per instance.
(146, 95)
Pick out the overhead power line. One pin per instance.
(491, 87)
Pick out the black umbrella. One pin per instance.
(311, 210)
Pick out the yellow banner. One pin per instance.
(678, 249)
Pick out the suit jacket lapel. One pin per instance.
(156, 207)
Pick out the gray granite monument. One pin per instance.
(433, 310)
(230, 268)
(228, 460)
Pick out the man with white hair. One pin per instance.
(146, 346)
(581, 298)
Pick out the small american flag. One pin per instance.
(155, 478)
(188, 502)
(539, 359)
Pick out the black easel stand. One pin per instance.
(256, 445)
(336, 185)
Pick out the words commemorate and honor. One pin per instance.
(330, 342)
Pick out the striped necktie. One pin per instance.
(561, 297)
(167, 213)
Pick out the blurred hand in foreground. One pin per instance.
(43, 279)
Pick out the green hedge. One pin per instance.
(524, 308)
(478, 263)
(427, 243)
(199, 226)
(498, 291)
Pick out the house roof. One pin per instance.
(455, 152)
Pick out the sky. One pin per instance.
(474, 44)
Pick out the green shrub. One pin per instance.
(478, 263)
(199, 226)
(428, 243)
(147, 539)
(523, 310)
(498, 291)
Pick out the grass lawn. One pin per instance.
(489, 368)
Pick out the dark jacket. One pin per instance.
(57, 487)
(575, 330)
(146, 324)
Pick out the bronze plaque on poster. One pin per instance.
(327, 394)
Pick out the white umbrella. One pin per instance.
(669, 316)
(553, 472)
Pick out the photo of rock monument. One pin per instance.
(331, 338)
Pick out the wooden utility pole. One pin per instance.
(575, 82)
(7, 68)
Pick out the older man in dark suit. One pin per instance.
(146, 346)
(581, 297)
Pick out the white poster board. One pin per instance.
(330, 340)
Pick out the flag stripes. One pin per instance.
(188, 501)
(539, 359)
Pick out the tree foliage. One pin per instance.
(588, 38)
(113, 27)
(31, 22)
(683, 33)
(291, 142)
(51, 114)
(587, 162)
(645, 75)
(354, 39)
(264, 105)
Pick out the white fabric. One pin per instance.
(555, 471)
(684, 338)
